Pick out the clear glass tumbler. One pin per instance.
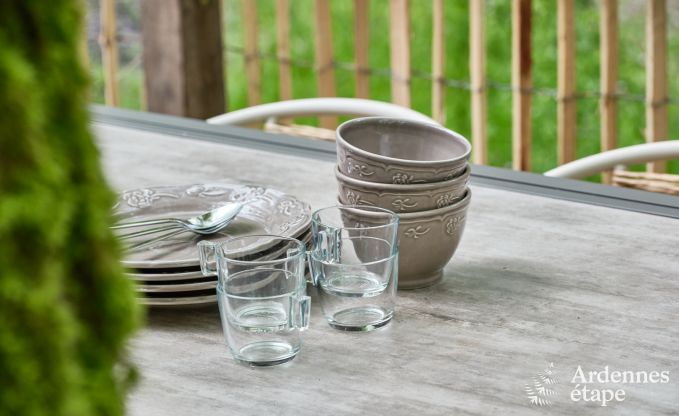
(261, 293)
(354, 265)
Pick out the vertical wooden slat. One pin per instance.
(477, 72)
(324, 57)
(84, 47)
(521, 84)
(109, 51)
(438, 64)
(283, 45)
(399, 28)
(566, 112)
(609, 76)
(656, 76)
(143, 100)
(253, 66)
(361, 40)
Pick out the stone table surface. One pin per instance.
(535, 281)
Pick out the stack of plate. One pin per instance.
(168, 272)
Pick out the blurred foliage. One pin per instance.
(66, 307)
(631, 118)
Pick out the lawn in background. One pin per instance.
(631, 118)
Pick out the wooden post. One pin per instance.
(283, 45)
(324, 58)
(566, 112)
(182, 51)
(477, 73)
(438, 92)
(253, 66)
(521, 83)
(361, 40)
(609, 77)
(656, 76)
(109, 51)
(399, 28)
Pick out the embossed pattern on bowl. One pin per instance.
(427, 242)
(402, 198)
(388, 150)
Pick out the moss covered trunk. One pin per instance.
(65, 307)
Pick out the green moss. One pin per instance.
(66, 307)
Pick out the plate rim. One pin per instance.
(182, 287)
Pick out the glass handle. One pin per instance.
(321, 244)
(328, 244)
(303, 313)
(208, 253)
(313, 268)
(336, 245)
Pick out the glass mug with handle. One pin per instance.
(354, 265)
(261, 292)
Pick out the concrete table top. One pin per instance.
(538, 286)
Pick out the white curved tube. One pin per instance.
(318, 106)
(641, 153)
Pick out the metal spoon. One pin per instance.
(160, 238)
(212, 224)
(206, 223)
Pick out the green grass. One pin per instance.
(631, 119)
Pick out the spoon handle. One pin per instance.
(156, 240)
(147, 232)
(147, 222)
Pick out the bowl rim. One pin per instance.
(361, 120)
(419, 186)
(459, 205)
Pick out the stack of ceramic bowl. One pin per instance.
(168, 273)
(417, 170)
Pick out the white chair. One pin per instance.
(269, 113)
(631, 155)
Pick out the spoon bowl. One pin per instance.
(215, 220)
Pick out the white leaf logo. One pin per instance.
(538, 391)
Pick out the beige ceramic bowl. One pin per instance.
(402, 198)
(427, 242)
(388, 150)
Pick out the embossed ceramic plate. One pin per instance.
(192, 291)
(180, 286)
(165, 277)
(267, 211)
(183, 301)
(169, 275)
